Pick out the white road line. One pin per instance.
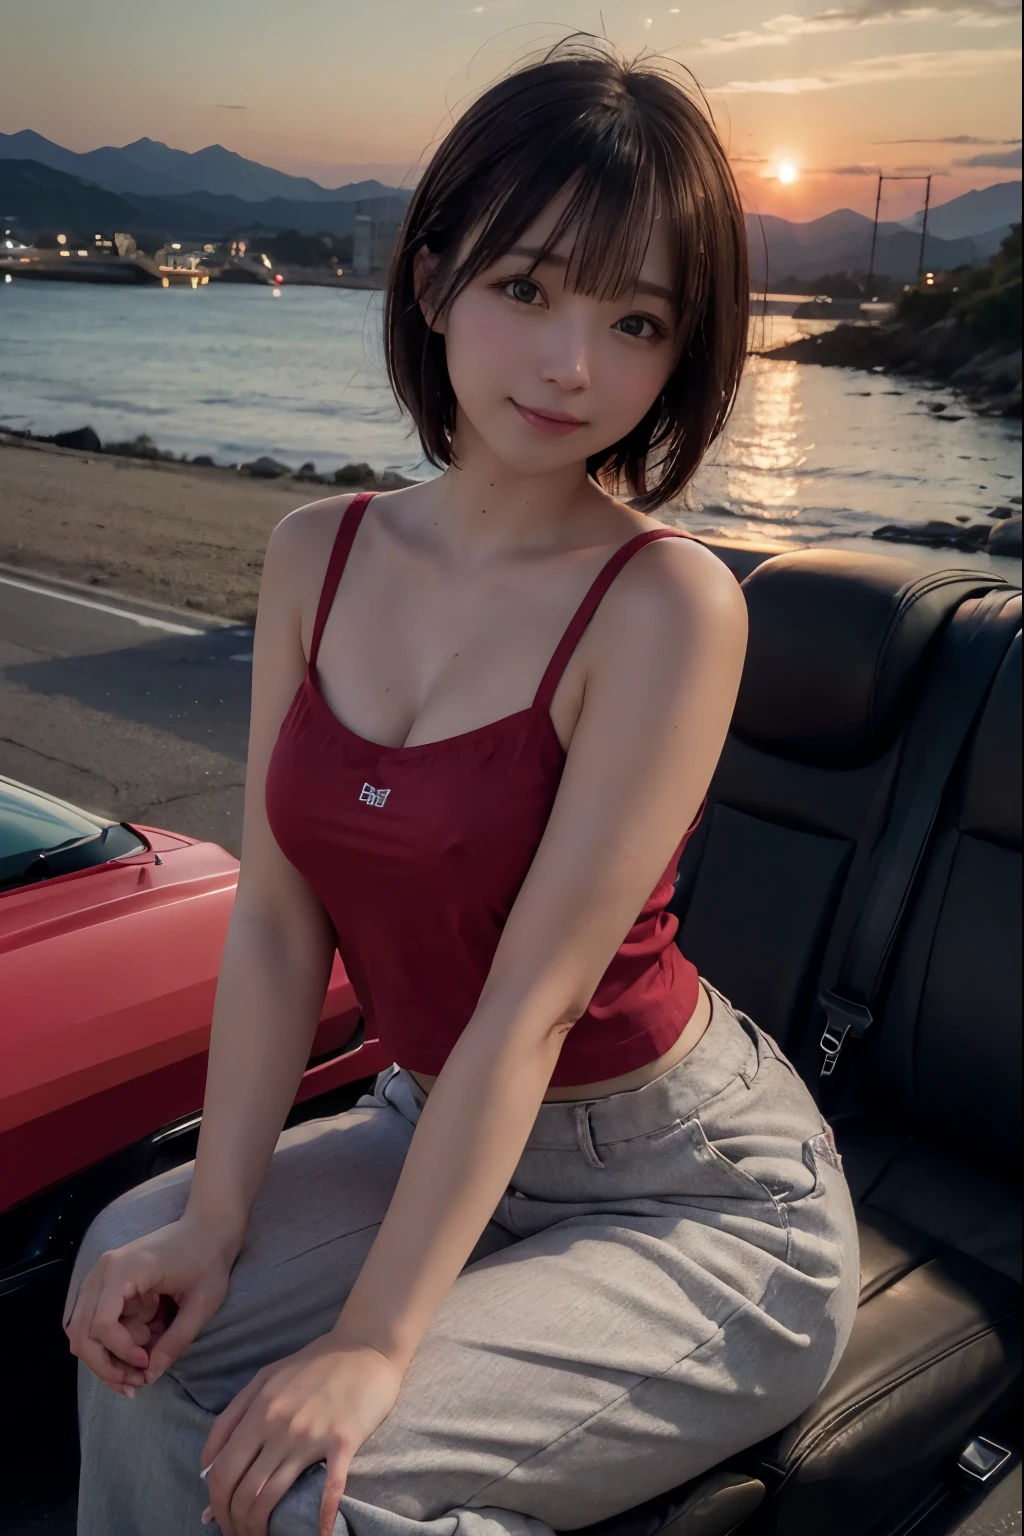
(88, 602)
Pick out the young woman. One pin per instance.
(587, 1237)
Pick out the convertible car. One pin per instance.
(854, 885)
(110, 944)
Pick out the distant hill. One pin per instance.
(966, 229)
(141, 188)
(975, 212)
(151, 169)
(42, 198)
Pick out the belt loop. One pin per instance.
(585, 1136)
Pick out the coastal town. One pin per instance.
(357, 260)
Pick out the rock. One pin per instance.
(969, 373)
(993, 378)
(141, 447)
(936, 534)
(265, 468)
(82, 437)
(1003, 372)
(355, 474)
(204, 461)
(1005, 539)
(1003, 512)
(944, 346)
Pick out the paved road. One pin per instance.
(126, 708)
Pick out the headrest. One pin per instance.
(991, 802)
(837, 641)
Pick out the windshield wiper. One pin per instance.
(75, 853)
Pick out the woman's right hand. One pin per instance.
(118, 1323)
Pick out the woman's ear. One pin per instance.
(424, 270)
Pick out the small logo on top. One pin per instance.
(371, 796)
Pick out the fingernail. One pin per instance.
(129, 1391)
(151, 1376)
(206, 1469)
(207, 1515)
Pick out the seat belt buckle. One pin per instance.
(842, 1017)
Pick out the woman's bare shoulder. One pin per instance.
(673, 594)
(307, 533)
(295, 564)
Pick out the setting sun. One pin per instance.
(786, 173)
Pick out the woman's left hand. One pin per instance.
(319, 1404)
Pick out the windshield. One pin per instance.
(41, 837)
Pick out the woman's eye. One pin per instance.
(633, 325)
(522, 289)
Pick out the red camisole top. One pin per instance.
(417, 854)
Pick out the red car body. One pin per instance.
(107, 982)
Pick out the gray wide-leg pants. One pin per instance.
(671, 1275)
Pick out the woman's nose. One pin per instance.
(567, 359)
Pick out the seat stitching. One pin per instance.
(852, 1409)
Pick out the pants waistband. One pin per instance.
(729, 1048)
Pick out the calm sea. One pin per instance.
(811, 454)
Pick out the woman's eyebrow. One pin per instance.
(547, 258)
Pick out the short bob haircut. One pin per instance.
(632, 143)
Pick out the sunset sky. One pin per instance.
(338, 89)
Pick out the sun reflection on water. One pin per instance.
(764, 451)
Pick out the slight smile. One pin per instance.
(550, 422)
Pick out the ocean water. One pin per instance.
(811, 455)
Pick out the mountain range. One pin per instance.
(36, 198)
(155, 191)
(966, 229)
(152, 169)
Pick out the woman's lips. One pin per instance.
(554, 426)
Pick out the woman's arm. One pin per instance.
(280, 945)
(664, 655)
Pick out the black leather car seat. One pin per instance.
(841, 649)
(930, 1133)
(838, 649)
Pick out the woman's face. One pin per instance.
(547, 376)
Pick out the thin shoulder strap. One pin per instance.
(585, 612)
(350, 520)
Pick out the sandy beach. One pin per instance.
(194, 538)
(172, 533)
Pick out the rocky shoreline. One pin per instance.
(1000, 535)
(988, 381)
(360, 476)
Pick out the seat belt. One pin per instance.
(979, 641)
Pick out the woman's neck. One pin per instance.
(489, 507)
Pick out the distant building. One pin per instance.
(374, 236)
(180, 255)
(362, 244)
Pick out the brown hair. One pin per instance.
(631, 142)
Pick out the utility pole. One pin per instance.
(874, 238)
(874, 229)
(924, 228)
